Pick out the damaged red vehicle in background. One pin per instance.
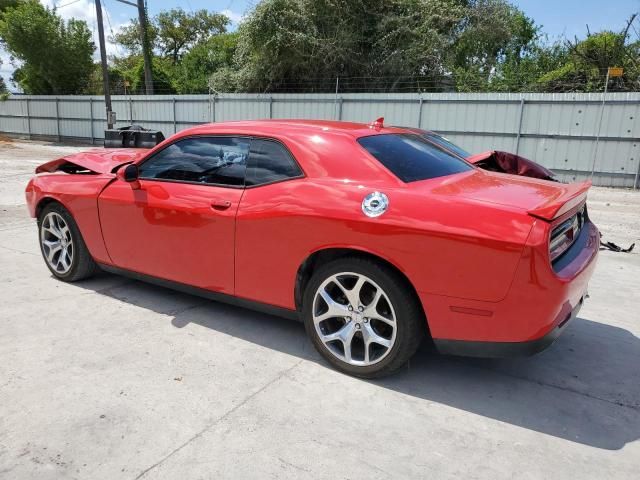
(376, 237)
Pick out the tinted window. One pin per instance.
(269, 162)
(216, 160)
(447, 144)
(411, 157)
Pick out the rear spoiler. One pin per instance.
(569, 196)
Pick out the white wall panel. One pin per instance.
(556, 130)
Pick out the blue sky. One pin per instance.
(559, 18)
(570, 17)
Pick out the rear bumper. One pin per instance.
(468, 348)
(535, 311)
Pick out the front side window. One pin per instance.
(412, 158)
(270, 162)
(209, 160)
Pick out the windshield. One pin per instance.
(412, 158)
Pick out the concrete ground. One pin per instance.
(112, 378)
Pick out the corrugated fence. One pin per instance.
(571, 133)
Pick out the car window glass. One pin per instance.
(211, 160)
(269, 162)
(411, 158)
(447, 144)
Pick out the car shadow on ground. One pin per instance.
(585, 388)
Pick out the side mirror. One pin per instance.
(129, 174)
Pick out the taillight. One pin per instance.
(563, 236)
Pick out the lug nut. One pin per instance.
(357, 326)
(366, 320)
(360, 308)
(350, 308)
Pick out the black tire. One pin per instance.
(410, 319)
(82, 264)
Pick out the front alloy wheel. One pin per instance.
(56, 242)
(62, 245)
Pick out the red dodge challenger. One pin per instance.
(374, 236)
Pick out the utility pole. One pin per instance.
(105, 68)
(146, 54)
(144, 39)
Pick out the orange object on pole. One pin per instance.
(615, 72)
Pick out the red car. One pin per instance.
(373, 236)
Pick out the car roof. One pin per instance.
(280, 126)
(323, 148)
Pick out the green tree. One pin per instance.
(55, 57)
(306, 44)
(173, 32)
(523, 74)
(206, 58)
(163, 72)
(492, 32)
(129, 37)
(391, 45)
(587, 62)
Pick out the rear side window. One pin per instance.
(412, 158)
(269, 162)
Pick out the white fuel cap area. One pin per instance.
(375, 204)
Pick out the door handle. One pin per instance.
(220, 204)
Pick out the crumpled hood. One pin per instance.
(97, 160)
(540, 198)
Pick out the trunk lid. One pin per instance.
(98, 160)
(540, 198)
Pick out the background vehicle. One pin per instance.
(372, 235)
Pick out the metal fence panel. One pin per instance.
(561, 131)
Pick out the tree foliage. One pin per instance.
(305, 45)
(193, 75)
(285, 43)
(54, 56)
(586, 63)
(172, 32)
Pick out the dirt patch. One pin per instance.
(6, 142)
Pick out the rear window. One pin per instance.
(412, 158)
(447, 144)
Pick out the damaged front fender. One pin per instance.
(99, 160)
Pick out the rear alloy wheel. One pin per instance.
(354, 319)
(362, 317)
(62, 246)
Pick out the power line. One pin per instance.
(117, 45)
(66, 4)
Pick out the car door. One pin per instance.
(179, 225)
(269, 223)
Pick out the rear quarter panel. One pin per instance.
(78, 194)
(444, 246)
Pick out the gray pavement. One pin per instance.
(112, 378)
